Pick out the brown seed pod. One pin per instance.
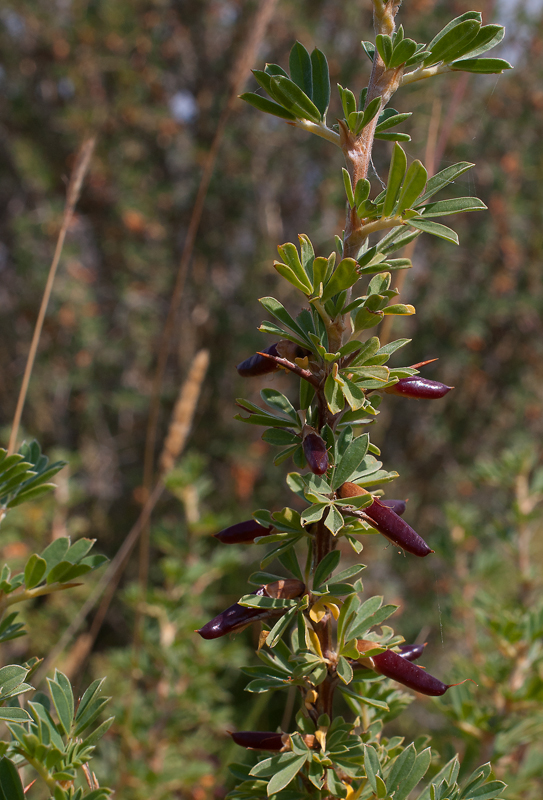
(243, 532)
(419, 388)
(260, 740)
(388, 522)
(400, 669)
(236, 617)
(258, 364)
(315, 451)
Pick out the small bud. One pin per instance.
(387, 522)
(397, 667)
(419, 388)
(411, 651)
(261, 740)
(315, 451)
(243, 533)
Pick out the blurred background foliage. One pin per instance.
(150, 78)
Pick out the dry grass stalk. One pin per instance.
(72, 196)
(183, 412)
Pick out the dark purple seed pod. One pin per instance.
(397, 667)
(258, 364)
(260, 740)
(316, 453)
(396, 529)
(411, 651)
(236, 617)
(419, 388)
(243, 533)
(398, 506)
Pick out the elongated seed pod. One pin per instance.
(316, 453)
(260, 740)
(411, 651)
(236, 617)
(243, 532)
(419, 388)
(257, 364)
(395, 666)
(396, 529)
(388, 522)
(398, 506)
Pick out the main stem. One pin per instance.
(357, 151)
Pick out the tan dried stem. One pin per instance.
(72, 196)
(183, 412)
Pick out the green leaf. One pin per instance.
(279, 437)
(326, 567)
(279, 402)
(334, 396)
(487, 792)
(276, 309)
(299, 64)
(487, 38)
(441, 231)
(344, 276)
(321, 81)
(348, 187)
(419, 770)
(268, 106)
(370, 112)
(291, 276)
(280, 627)
(456, 205)
(371, 765)
(62, 705)
(55, 552)
(11, 787)
(442, 179)
(396, 174)
(402, 52)
(334, 520)
(399, 309)
(401, 768)
(383, 43)
(11, 676)
(294, 99)
(413, 185)
(284, 776)
(35, 570)
(484, 66)
(348, 101)
(14, 714)
(395, 136)
(454, 43)
(314, 513)
(362, 191)
(350, 461)
(379, 616)
(289, 253)
(390, 120)
(344, 670)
